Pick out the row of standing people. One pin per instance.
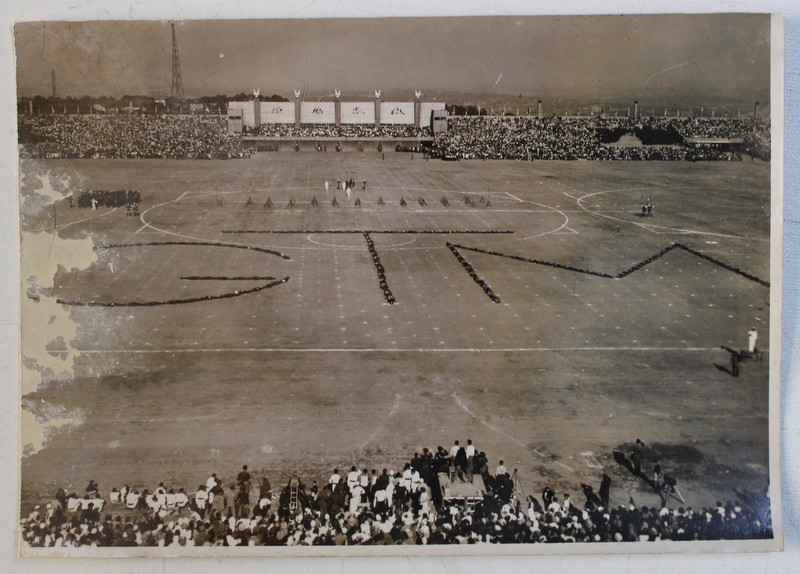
(348, 185)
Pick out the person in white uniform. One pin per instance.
(752, 337)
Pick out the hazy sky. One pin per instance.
(656, 57)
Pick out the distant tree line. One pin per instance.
(69, 105)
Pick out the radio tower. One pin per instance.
(177, 82)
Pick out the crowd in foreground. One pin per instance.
(363, 507)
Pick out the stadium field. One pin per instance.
(244, 317)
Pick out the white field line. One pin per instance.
(407, 350)
(357, 247)
(181, 235)
(382, 427)
(546, 208)
(65, 225)
(659, 229)
(467, 410)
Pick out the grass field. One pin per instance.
(295, 360)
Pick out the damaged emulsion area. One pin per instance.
(47, 354)
(70, 278)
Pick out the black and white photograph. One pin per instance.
(399, 286)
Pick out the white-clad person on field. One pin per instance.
(201, 500)
(501, 469)
(470, 450)
(335, 478)
(353, 478)
(132, 499)
(212, 481)
(752, 337)
(355, 497)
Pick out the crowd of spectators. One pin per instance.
(130, 136)
(363, 507)
(109, 198)
(468, 137)
(570, 138)
(351, 131)
(758, 142)
(715, 127)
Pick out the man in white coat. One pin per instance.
(752, 337)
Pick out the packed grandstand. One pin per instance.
(583, 138)
(341, 131)
(466, 137)
(133, 136)
(363, 507)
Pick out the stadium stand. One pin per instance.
(467, 137)
(111, 136)
(527, 138)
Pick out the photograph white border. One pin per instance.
(202, 9)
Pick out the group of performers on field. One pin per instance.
(348, 185)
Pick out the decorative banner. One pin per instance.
(317, 113)
(277, 112)
(358, 112)
(425, 112)
(247, 110)
(397, 113)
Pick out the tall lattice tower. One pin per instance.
(177, 82)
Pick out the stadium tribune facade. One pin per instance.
(252, 114)
(343, 125)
